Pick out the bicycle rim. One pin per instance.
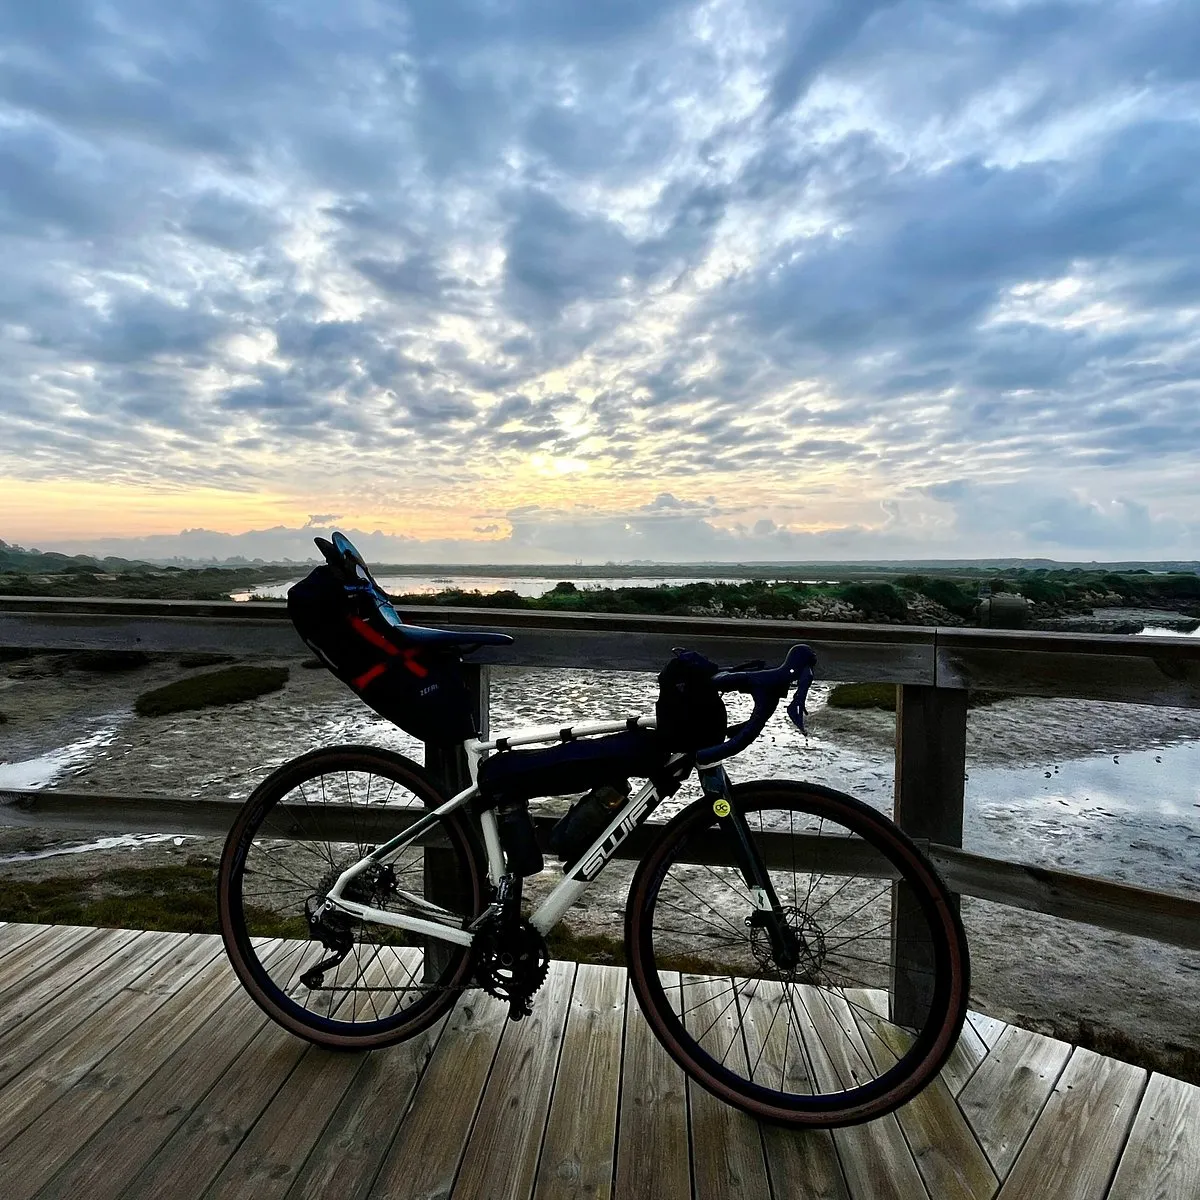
(298, 832)
(861, 1021)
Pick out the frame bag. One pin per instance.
(416, 687)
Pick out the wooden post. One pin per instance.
(448, 765)
(931, 751)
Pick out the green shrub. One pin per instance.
(863, 695)
(218, 687)
(875, 599)
(949, 595)
(1042, 591)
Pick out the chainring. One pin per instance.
(511, 964)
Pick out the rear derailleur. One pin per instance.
(511, 956)
(333, 928)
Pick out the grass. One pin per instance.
(182, 898)
(217, 687)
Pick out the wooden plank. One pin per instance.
(266, 1161)
(348, 1155)
(652, 1134)
(152, 979)
(989, 1029)
(1162, 1158)
(92, 1098)
(800, 1162)
(68, 951)
(1008, 1091)
(512, 1113)
(581, 1132)
(423, 1160)
(277, 1145)
(103, 1168)
(931, 749)
(727, 1150)
(969, 1051)
(13, 937)
(1164, 916)
(875, 1158)
(61, 1003)
(1074, 1147)
(188, 1161)
(950, 1160)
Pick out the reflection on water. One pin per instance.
(122, 842)
(1132, 817)
(42, 771)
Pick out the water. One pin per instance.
(44, 770)
(1159, 631)
(125, 841)
(1134, 819)
(523, 585)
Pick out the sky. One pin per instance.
(548, 280)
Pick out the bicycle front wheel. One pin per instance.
(874, 1002)
(299, 831)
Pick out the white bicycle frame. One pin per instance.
(438, 923)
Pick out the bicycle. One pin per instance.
(793, 950)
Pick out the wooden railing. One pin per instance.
(934, 669)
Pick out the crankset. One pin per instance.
(511, 963)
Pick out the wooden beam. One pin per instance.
(931, 749)
(1162, 916)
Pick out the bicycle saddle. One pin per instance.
(342, 556)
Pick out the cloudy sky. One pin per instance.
(557, 279)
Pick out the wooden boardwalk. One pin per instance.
(131, 1064)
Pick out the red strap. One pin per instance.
(376, 639)
(411, 656)
(413, 663)
(368, 675)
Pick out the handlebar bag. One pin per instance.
(690, 713)
(418, 688)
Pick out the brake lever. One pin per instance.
(795, 708)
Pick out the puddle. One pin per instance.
(40, 772)
(124, 841)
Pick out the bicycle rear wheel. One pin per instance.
(862, 1021)
(300, 829)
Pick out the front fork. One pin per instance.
(786, 945)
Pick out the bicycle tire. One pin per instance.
(393, 984)
(850, 1051)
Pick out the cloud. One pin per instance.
(469, 254)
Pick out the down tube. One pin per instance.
(595, 859)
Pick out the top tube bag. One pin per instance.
(418, 688)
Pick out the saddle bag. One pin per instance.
(418, 688)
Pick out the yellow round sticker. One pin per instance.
(721, 808)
